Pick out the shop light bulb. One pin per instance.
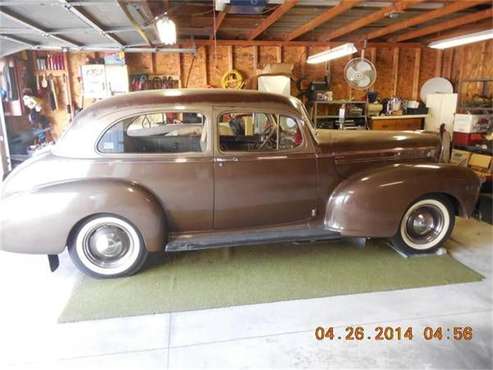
(166, 30)
(462, 40)
(338, 52)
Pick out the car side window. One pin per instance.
(257, 132)
(157, 132)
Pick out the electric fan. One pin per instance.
(360, 73)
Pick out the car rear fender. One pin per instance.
(372, 202)
(41, 221)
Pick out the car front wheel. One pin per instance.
(426, 224)
(107, 246)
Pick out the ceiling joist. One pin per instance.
(460, 21)
(272, 18)
(36, 28)
(425, 17)
(371, 18)
(322, 18)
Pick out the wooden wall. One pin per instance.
(400, 71)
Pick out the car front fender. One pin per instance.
(41, 220)
(371, 203)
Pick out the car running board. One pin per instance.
(231, 239)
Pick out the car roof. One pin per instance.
(185, 97)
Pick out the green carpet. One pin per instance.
(246, 275)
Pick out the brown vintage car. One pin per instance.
(179, 170)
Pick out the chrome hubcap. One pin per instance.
(106, 245)
(424, 224)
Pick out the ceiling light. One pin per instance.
(462, 40)
(166, 30)
(338, 52)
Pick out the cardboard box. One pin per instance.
(460, 157)
(481, 164)
(469, 123)
(276, 69)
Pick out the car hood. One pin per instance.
(340, 142)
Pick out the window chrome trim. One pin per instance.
(207, 127)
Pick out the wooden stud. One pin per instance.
(279, 54)
(460, 21)
(416, 72)
(255, 58)
(327, 15)
(373, 55)
(438, 63)
(272, 18)
(180, 63)
(362, 22)
(454, 7)
(231, 64)
(153, 63)
(447, 69)
(395, 71)
(206, 66)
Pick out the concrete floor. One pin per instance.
(274, 335)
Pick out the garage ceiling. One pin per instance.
(127, 24)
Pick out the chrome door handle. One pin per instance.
(227, 159)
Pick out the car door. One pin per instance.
(257, 185)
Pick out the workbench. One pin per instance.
(398, 123)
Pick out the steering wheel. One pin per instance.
(269, 138)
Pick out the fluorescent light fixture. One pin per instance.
(462, 40)
(338, 52)
(166, 30)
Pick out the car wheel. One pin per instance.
(107, 246)
(426, 224)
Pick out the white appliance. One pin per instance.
(101, 81)
(436, 85)
(275, 84)
(441, 109)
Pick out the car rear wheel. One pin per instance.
(426, 224)
(107, 246)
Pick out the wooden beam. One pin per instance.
(425, 17)
(460, 21)
(272, 18)
(322, 18)
(231, 62)
(395, 70)
(438, 63)
(417, 69)
(481, 26)
(279, 54)
(206, 66)
(362, 22)
(201, 42)
(218, 21)
(123, 6)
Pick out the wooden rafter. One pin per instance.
(371, 18)
(218, 21)
(322, 18)
(425, 17)
(272, 18)
(481, 26)
(460, 21)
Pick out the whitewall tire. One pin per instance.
(107, 246)
(426, 224)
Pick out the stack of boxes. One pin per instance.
(469, 130)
